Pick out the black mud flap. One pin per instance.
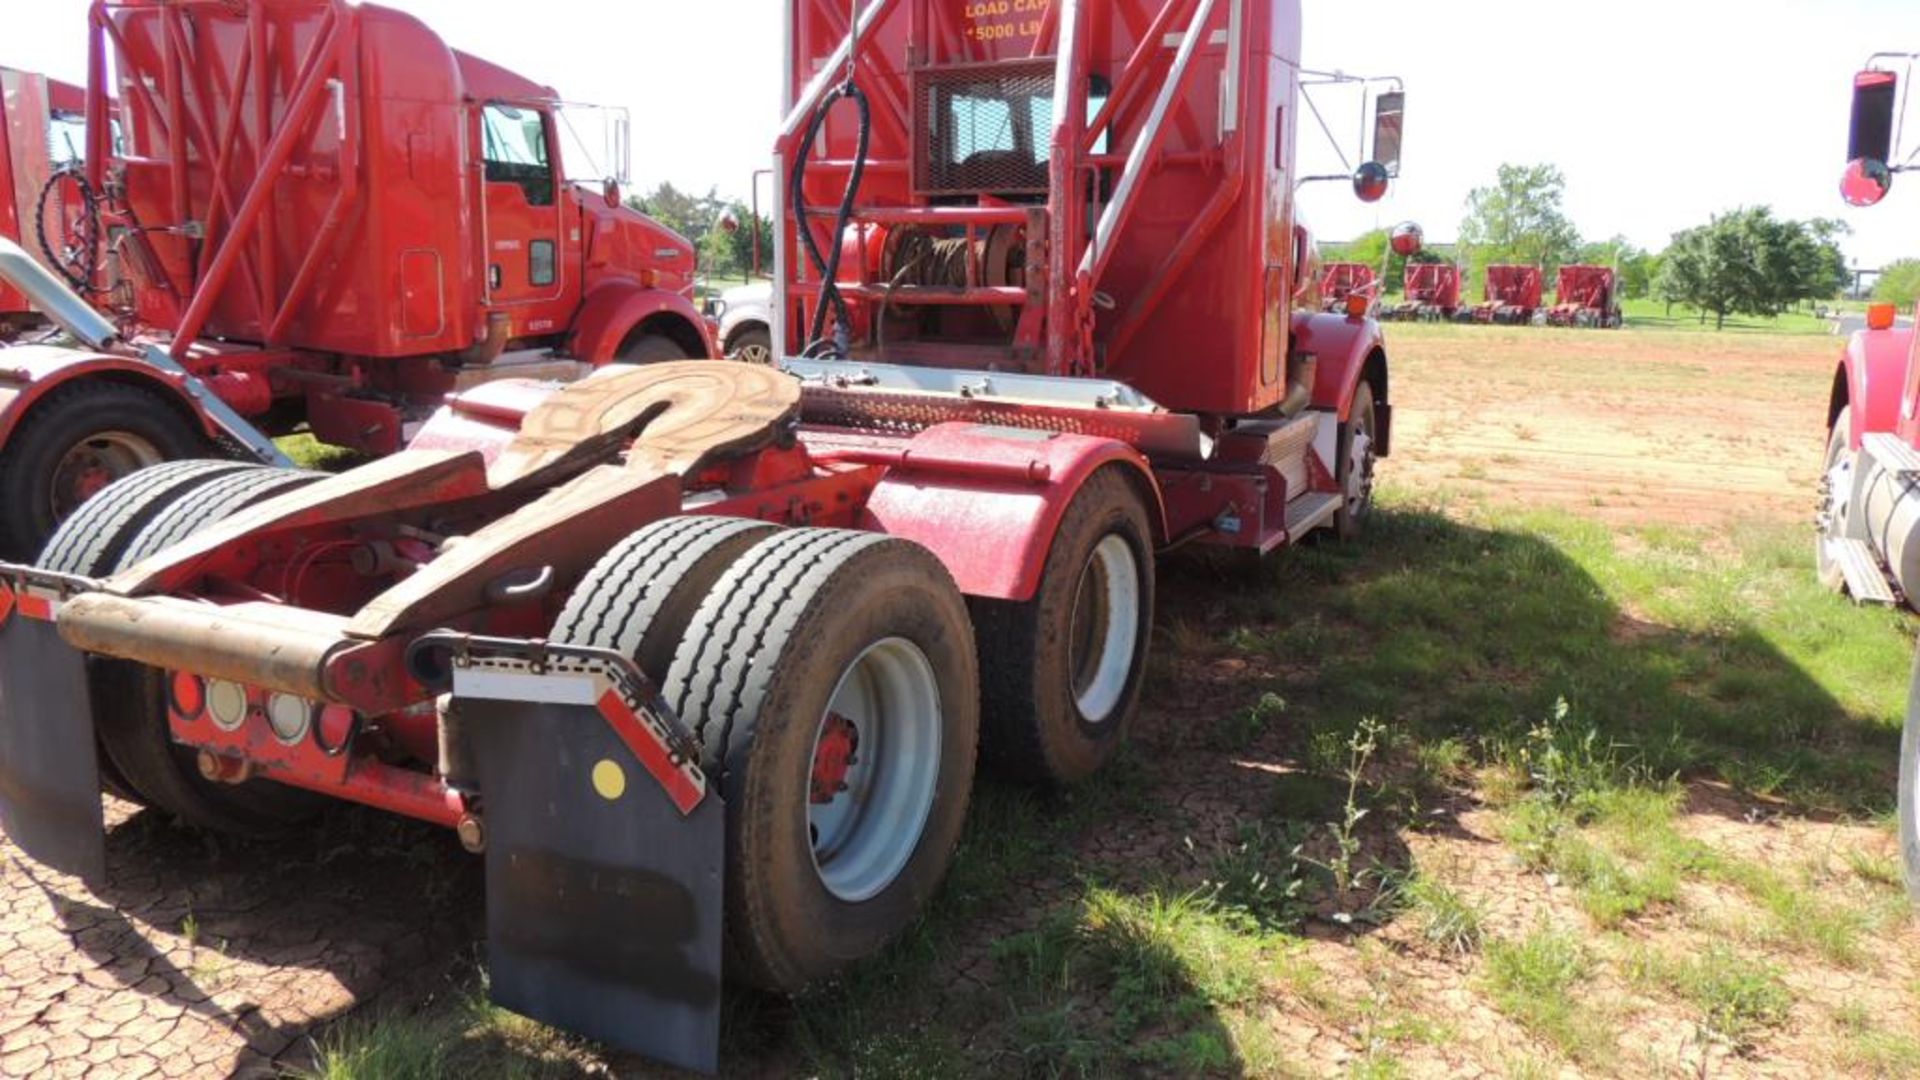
(604, 902)
(49, 777)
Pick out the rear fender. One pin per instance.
(1349, 350)
(614, 311)
(987, 500)
(1872, 379)
(29, 373)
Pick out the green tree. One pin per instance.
(697, 217)
(1371, 248)
(1520, 219)
(1899, 283)
(1636, 266)
(1748, 262)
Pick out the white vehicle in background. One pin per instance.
(745, 314)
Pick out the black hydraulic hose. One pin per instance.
(79, 272)
(828, 265)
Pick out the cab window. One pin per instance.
(515, 150)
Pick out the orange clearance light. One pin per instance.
(1881, 316)
(1357, 306)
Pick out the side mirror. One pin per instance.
(1866, 183)
(611, 189)
(1408, 239)
(1875, 98)
(728, 223)
(1370, 182)
(1389, 111)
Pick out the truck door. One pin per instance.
(522, 200)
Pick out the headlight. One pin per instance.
(289, 717)
(227, 704)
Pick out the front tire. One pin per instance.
(1836, 471)
(1357, 461)
(652, 349)
(831, 678)
(1067, 666)
(753, 346)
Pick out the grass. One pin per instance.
(1534, 980)
(1653, 315)
(1447, 918)
(1733, 995)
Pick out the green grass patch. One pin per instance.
(1447, 918)
(1534, 979)
(1735, 995)
(1655, 315)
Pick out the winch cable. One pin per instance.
(827, 265)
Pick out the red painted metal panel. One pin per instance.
(1342, 346)
(1434, 284)
(1882, 382)
(1515, 286)
(988, 500)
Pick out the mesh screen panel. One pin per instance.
(984, 128)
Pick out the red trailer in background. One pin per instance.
(1513, 295)
(1588, 296)
(1432, 293)
(42, 130)
(1342, 280)
(322, 216)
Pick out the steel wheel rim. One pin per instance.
(94, 462)
(1834, 500)
(864, 837)
(1104, 633)
(755, 354)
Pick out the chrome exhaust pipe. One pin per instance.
(51, 296)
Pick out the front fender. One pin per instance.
(987, 501)
(29, 373)
(1873, 374)
(1349, 350)
(613, 311)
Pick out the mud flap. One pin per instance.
(49, 777)
(604, 902)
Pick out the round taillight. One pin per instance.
(289, 717)
(187, 695)
(226, 704)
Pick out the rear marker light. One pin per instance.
(227, 704)
(289, 717)
(187, 696)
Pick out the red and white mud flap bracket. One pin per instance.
(605, 850)
(49, 772)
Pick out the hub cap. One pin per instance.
(1360, 469)
(93, 463)
(876, 767)
(1105, 631)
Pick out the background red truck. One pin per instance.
(1868, 541)
(321, 215)
(42, 129)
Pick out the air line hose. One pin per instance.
(827, 265)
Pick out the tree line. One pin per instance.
(1744, 262)
(723, 253)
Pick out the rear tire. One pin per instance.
(1833, 504)
(1067, 665)
(73, 444)
(817, 639)
(130, 714)
(652, 349)
(639, 598)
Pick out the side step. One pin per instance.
(1895, 456)
(1865, 581)
(1309, 512)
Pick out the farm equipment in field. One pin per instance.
(1587, 296)
(697, 652)
(320, 215)
(1430, 293)
(1868, 527)
(1512, 296)
(41, 133)
(1342, 281)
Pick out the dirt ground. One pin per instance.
(1667, 427)
(208, 958)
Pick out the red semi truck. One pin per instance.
(1869, 516)
(42, 129)
(320, 215)
(707, 651)
(1587, 296)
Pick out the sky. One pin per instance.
(1660, 112)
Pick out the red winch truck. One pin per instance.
(318, 214)
(1868, 541)
(705, 652)
(1588, 297)
(1513, 295)
(41, 130)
